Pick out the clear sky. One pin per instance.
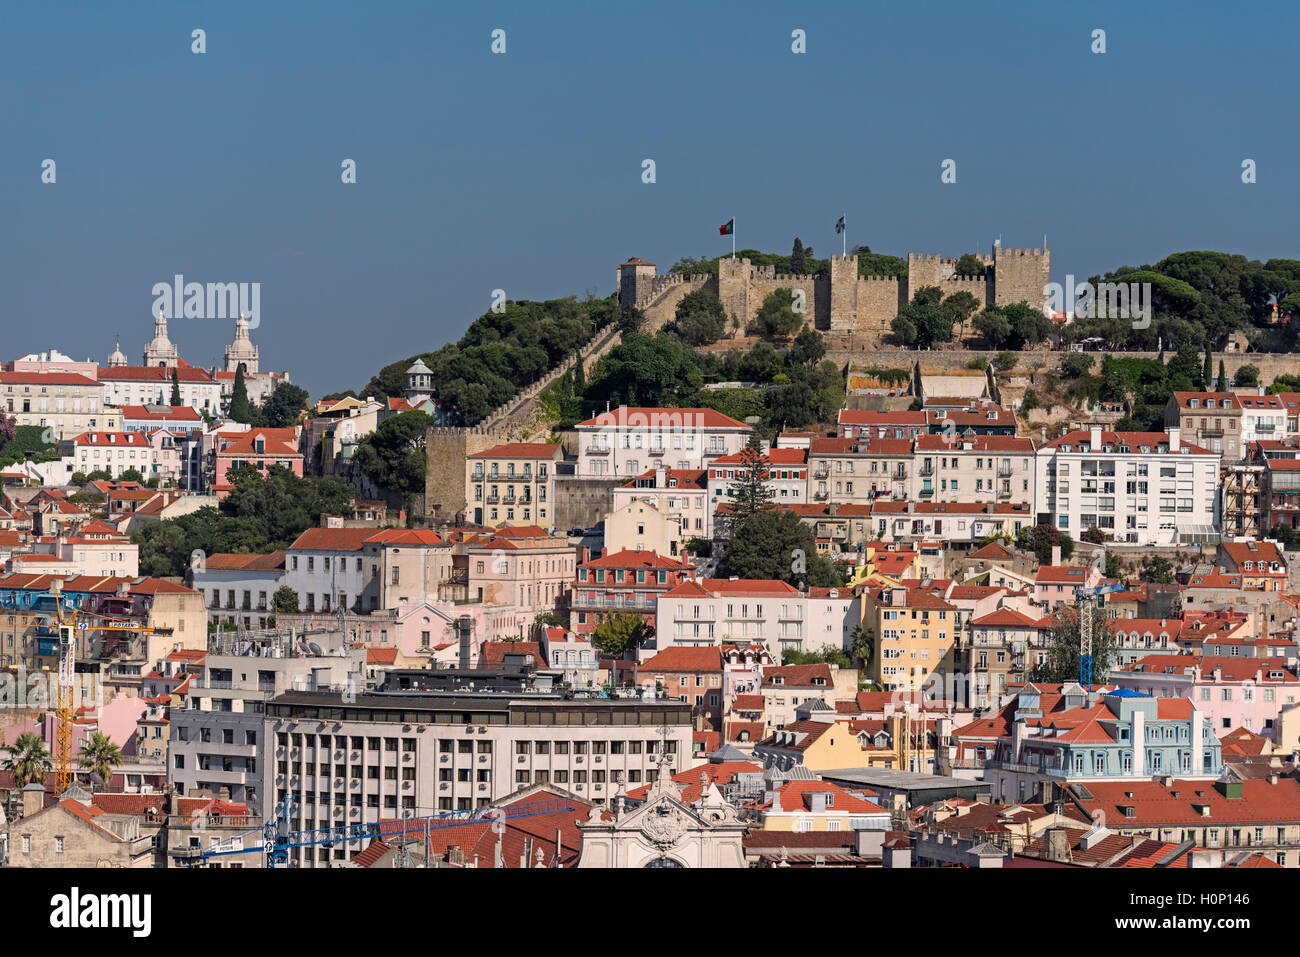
(523, 171)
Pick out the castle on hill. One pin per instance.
(843, 301)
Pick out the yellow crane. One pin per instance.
(68, 621)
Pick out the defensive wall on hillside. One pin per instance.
(843, 301)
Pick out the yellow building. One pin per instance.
(819, 746)
(512, 484)
(914, 636)
(820, 806)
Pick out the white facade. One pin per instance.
(625, 442)
(1128, 484)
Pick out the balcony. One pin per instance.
(823, 471)
(926, 491)
(821, 495)
(598, 450)
(493, 499)
(657, 450)
(926, 471)
(1004, 471)
(1211, 433)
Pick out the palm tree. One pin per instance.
(28, 760)
(100, 755)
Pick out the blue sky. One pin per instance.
(522, 171)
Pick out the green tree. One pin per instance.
(862, 643)
(393, 456)
(1157, 570)
(131, 475)
(798, 259)
(1114, 569)
(808, 348)
(1062, 645)
(241, 410)
(1076, 364)
(1040, 539)
(774, 544)
(1007, 360)
(777, 315)
(621, 633)
(284, 601)
(1247, 377)
(700, 318)
(1223, 377)
(28, 759)
(1207, 372)
(281, 408)
(969, 265)
(993, 326)
(752, 491)
(176, 386)
(100, 755)
(961, 306)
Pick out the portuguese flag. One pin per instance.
(727, 228)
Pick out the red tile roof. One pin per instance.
(683, 659)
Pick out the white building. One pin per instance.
(678, 493)
(1143, 488)
(717, 611)
(152, 385)
(328, 569)
(626, 441)
(67, 402)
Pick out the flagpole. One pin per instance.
(733, 238)
(844, 236)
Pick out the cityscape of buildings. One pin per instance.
(404, 685)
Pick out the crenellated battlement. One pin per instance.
(845, 301)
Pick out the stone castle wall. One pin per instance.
(842, 302)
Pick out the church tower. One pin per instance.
(160, 351)
(241, 351)
(118, 357)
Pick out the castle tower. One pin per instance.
(118, 357)
(632, 279)
(160, 351)
(1021, 275)
(241, 351)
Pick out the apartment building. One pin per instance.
(975, 468)
(1262, 417)
(787, 477)
(523, 567)
(67, 402)
(239, 589)
(1142, 488)
(327, 567)
(716, 611)
(425, 740)
(622, 582)
(916, 636)
(513, 483)
(114, 453)
(261, 448)
(217, 741)
(625, 442)
(1212, 420)
(1248, 693)
(859, 470)
(965, 525)
(870, 423)
(681, 494)
(152, 385)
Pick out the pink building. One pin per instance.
(261, 448)
(1233, 692)
(521, 566)
(1058, 584)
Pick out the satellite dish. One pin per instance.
(315, 649)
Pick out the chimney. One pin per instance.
(33, 799)
(660, 479)
(1175, 438)
(1056, 844)
(1094, 438)
(1056, 554)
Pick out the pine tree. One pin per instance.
(176, 386)
(1208, 372)
(1223, 378)
(579, 376)
(751, 493)
(798, 259)
(241, 410)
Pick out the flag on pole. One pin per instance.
(727, 228)
(839, 226)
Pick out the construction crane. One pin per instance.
(1084, 599)
(68, 621)
(278, 840)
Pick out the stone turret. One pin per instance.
(241, 351)
(160, 351)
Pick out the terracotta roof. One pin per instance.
(332, 539)
(494, 652)
(644, 417)
(628, 558)
(229, 561)
(518, 450)
(680, 658)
